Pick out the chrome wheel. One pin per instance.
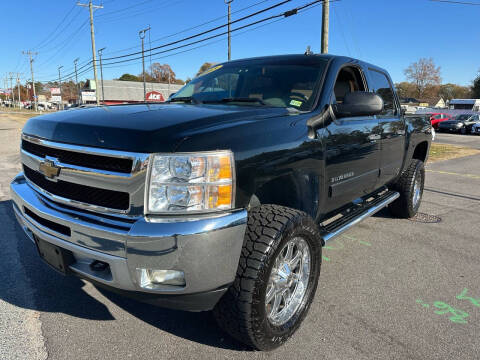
(288, 281)
(417, 190)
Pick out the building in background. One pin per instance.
(465, 104)
(440, 104)
(120, 92)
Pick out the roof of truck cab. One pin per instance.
(311, 58)
(273, 58)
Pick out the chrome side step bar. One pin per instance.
(341, 225)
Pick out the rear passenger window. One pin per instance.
(382, 87)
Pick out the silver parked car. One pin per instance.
(476, 128)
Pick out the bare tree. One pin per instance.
(423, 73)
(162, 73)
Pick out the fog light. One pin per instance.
(150, 278)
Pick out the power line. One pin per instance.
(262, 21)
(337, 17)
(220, 40)
(67, 42)
(204, 32)
(124, 9)
(138, 12)
(91, 7)
(288, 13)
(69, 76)
(70, 72)
(190, 28)
(457, 2)
(41, 44)
(352, 20)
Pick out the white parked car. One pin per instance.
(476, 129)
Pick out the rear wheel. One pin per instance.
(276, 278)
(410, 186)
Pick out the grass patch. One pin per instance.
(439, 152)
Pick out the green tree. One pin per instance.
(406, 89)
(129, 77)
(476, 87)
(453, 91)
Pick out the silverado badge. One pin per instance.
(49, 169)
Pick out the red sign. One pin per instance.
(155, 96)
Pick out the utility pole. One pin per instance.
(6, 87)
(92, 34)
(101, 73)
(229, 2)
(169, 84)
(30, 54)
(76, 79)
(141, 33)
(60, 82)
(325, 25)
(18, 88)
(11, 88)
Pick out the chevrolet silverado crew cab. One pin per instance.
(222, 198)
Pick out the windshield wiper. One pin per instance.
(236, 99)
(189, 99)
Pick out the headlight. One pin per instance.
(197, 182)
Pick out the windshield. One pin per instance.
(462, 117)
(257, 84)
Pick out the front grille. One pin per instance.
(62, 229)
(83, 193)
(98, 162)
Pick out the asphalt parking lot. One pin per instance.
(472, 141)
(389, 289)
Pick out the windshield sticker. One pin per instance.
(296, 103)
(211, 70)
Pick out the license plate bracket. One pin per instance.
(58, 258)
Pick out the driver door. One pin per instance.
(352, 146)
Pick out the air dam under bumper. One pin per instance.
(206, 249)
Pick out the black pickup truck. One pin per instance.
(222, 197)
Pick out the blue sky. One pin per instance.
(389, 33)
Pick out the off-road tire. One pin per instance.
(404, 206)
(241, 311)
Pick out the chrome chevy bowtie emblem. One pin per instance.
(49, 169)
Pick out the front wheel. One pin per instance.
(276, 278)
(410, 186)
(463, 130)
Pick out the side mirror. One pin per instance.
(359, 103)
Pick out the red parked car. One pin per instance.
(436, 118)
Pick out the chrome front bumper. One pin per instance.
(206, 249)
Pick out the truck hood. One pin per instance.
(142, 127)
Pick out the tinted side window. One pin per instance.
(382, 87)
(349, 80)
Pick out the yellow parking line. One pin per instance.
(471, 176)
